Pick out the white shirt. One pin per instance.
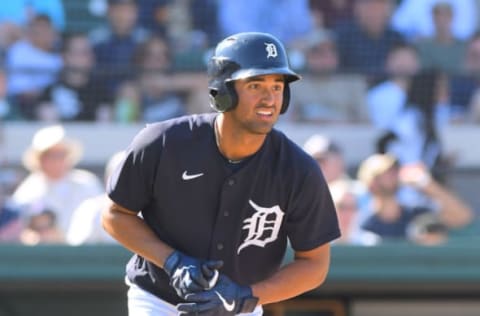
(37, 193)
(85, 225)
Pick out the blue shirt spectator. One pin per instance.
(386, 99)
(20, 12)
(32, 63)
(286, 19)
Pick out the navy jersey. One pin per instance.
(177, 178)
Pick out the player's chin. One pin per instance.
(262, 128)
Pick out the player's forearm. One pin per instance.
(302, 275)
(132, 232)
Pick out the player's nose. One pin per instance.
(268, 97)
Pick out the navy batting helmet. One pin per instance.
(245, 55)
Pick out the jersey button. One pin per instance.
(231, 182)
(226, 213)
(219, 246)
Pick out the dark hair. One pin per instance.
(40, 18)
(422, 94)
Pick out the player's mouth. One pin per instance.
(265, 113)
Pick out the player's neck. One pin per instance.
(234, 144)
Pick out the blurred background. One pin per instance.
(389, 106)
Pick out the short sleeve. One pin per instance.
(312, 220)
(131, 184)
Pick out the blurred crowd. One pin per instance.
(144, 60)
(409, 68)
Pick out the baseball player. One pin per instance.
(219, 194)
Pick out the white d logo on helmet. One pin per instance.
(271, 50)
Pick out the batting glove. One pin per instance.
(190, 275)
(225, 298)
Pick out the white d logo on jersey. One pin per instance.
(262, 227)
(271, 50)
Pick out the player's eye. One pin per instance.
(253, 86)
(278, 87)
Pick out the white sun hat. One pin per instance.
(47, 138)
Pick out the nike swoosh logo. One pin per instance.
(186, 176)
(213, 280)
(228, 307)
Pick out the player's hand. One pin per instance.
(225, 298)
(190, 275)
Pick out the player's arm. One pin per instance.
(133, 233)
(186, 274)
(308, 271)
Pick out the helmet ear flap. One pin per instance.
(224, 98)
(286, 99)
(221, 92)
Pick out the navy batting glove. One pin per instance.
(190, 275)
(225, 298)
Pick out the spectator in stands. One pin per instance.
(331, 160)
(288, 20)
(465, 92)
(364, 42)
(413, 18)
(122, 36)
(76, 95)
(53, 183)
(42, 228)
(344, 196)
(329, 156)
(20, 12)
(389, 218)
(442, 50)
(32, 64)
(10, 222)
(165, 94)
(320, 98)
(329, 13)
(15, 15)
(415, 135)
(154, 15)
(386, 99)
(85, 226)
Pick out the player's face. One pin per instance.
(259, 102)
